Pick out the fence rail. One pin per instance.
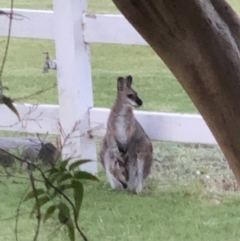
(98, 28)
(185, 128)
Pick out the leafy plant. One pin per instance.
(58, 180)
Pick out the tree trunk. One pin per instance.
(199, 40)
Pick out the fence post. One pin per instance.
(74, 79)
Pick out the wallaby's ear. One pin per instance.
(129, 80)
(120, 83)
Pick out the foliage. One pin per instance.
(9, 103)
(57, 180)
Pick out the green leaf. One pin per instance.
(71, 231)
(62, 188)
(52, 170)
(9, 103)
(63, 164)
(31, 194)
(78, 195)
(42, 200)
(5, 88)
(64, 213)
(49, 212)
(85, 175)
(55, 176)
(64, 177)
(75, 164)
(54, 173)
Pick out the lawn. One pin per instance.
(191, 194)
(170, 213)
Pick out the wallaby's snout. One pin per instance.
(126, 93)
(139, 101)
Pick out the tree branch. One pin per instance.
(17, 215)
(38, 206)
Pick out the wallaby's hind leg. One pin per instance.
(140, 166)
(133, 177)
(109, 165)
(136, 175)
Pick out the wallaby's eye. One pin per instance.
(130, 96)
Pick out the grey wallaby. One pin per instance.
(127, 152)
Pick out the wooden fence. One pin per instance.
(73, 29)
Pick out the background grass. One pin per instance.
(191, 194)
(158, 88)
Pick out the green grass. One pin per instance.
(156, 85)
(154, 82)
(178, 201)
(180, 212)
(176, 204)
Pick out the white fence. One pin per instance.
(72, 29)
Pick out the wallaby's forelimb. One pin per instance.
(109, 166)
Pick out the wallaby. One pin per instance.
(126, 153)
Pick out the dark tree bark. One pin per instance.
(199, 40)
